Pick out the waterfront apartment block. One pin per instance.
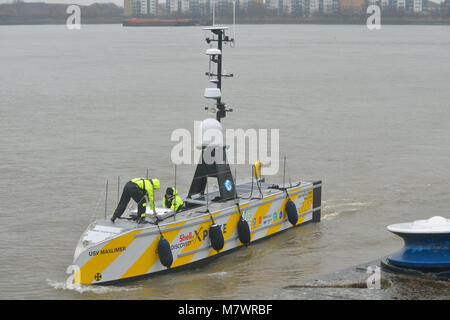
(350, 7)
(277, 7)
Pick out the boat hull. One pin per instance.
(134, 254)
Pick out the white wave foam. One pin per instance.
(349, 204)
(333, 210)
(218, 274)
(59, 285)
(330, 216)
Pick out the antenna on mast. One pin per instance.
(234, 24)
(218, 168)
(215, 73)
(213, 11)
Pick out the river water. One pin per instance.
(367, 112)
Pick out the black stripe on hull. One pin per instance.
(317, 200)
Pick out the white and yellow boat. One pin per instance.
(213, 222)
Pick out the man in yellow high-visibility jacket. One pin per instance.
(137, 189)
(172, 200)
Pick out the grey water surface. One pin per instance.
(367, 112)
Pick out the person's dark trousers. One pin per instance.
(130, 191)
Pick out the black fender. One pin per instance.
(164, 252)
(244, 231)
(291, 211)
(216, 237)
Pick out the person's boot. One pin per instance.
(140, 219)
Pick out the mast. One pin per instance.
(220, 167)
(215, 69)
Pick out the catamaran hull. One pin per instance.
(135, 253)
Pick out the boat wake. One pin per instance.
(63, 285)
(333, 208)
(218, 274)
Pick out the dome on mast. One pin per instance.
(211, 133)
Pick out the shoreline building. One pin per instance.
(313, 7)
(301, 8)
(128, 8)
(352, 7)
(415, 6)
(149, 7)
(178, 6)
(140, 7)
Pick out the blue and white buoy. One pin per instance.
(426, 250)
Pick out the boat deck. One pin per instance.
(202, 205)
(197, 211)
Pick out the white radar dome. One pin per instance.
(434, 224)
(211, 133)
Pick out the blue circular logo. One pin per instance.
(228, 185)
